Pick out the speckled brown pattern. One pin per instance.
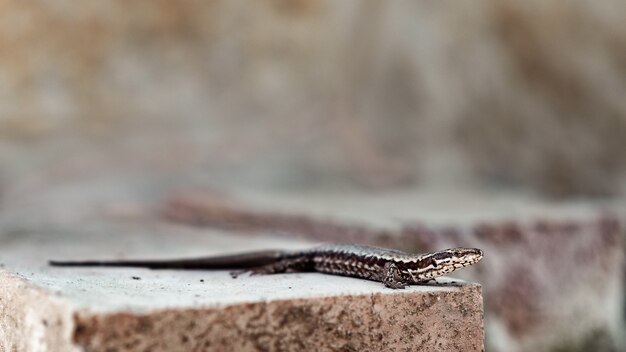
(415, 321)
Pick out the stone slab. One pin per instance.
(130, 309)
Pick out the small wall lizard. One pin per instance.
(395, 269)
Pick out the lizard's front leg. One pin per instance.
(392, 278)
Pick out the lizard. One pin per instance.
(395, 269)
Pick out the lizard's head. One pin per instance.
(448, 260)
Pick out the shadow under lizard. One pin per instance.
(395, 269)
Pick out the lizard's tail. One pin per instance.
(234, 261)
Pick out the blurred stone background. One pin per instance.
(112, 101)
(317, 93)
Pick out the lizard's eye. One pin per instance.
(433, 263)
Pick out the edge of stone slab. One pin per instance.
(24, 326)
(329, 322)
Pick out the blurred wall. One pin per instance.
(308, 93)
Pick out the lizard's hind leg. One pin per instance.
(274, 268)
(281, 266)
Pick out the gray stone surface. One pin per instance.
(129, 309)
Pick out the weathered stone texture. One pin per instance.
(32, 319)
(437, 321)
